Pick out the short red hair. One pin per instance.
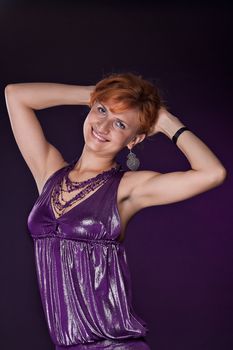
(127, 90)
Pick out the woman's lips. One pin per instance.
(98, 137)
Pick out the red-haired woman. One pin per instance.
(79, 220)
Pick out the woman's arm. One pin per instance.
(22, 99)
(150, 188)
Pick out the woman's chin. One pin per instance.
(96, 145)
(93, 143)
(104, 149)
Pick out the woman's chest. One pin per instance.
(95, 217)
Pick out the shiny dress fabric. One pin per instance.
(82, 271)
(137, 344)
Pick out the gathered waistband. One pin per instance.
(79, 239)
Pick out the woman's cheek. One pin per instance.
(120, 138)
(85, 127)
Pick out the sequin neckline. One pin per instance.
(66, 172)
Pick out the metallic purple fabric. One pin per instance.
(137, 344)
(82, 271)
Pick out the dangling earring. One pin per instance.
(132, 161)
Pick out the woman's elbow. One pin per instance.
(14, 93)
(220, 175)
(11, 89)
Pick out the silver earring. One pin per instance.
(132, 161)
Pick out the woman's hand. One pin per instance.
(162, 113)
(166, 123)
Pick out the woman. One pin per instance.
(79, 220)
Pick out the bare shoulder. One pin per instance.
(132, 179)
(51, 169)
(128, 204)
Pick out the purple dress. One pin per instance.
(82, 271)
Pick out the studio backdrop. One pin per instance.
(180, 254)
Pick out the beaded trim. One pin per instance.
(59, 204)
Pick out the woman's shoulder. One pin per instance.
(51, 173)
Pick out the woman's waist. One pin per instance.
(73, 237)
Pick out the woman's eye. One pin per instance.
(120, 124)
(101, 110)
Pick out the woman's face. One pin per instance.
(108, 132)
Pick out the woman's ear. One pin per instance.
(140, 137)
(137, 139)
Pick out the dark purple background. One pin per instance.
(180, 255)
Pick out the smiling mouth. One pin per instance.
(98, 137)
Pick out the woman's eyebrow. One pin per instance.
(106, 108)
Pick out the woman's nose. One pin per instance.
(103, 126)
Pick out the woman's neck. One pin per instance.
(91, 161)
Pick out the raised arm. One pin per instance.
(148, 188)
(22, 99)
